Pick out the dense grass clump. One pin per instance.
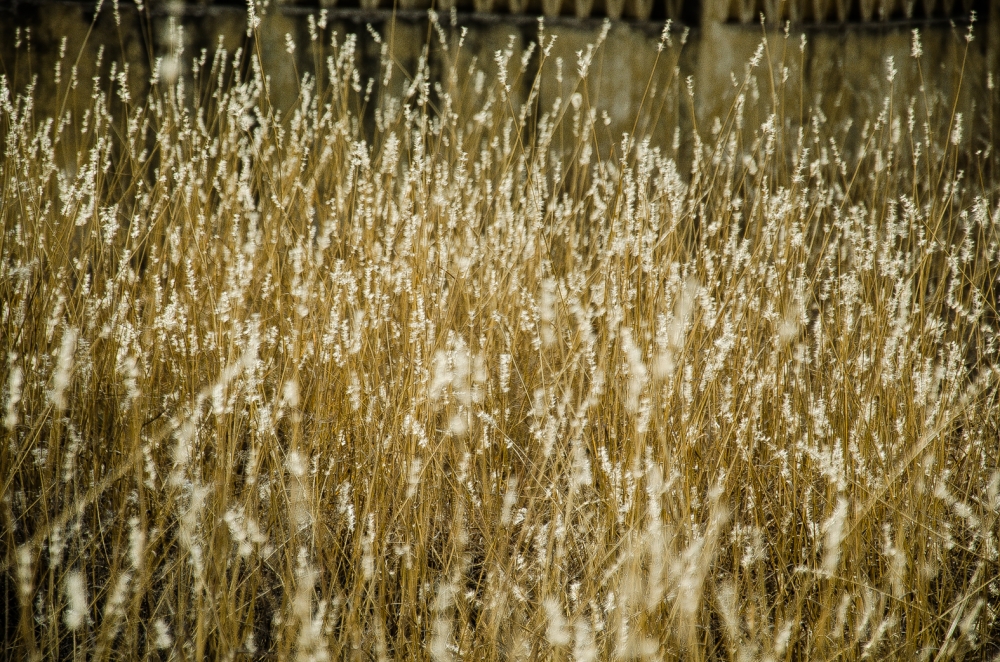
(450, 375)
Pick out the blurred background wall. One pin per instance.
(830, 55)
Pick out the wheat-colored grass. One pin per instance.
(475, 382)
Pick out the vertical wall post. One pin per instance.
(715, 11)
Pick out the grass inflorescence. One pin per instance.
(448, 374)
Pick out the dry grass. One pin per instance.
(484, 385)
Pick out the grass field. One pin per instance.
(452, 375)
